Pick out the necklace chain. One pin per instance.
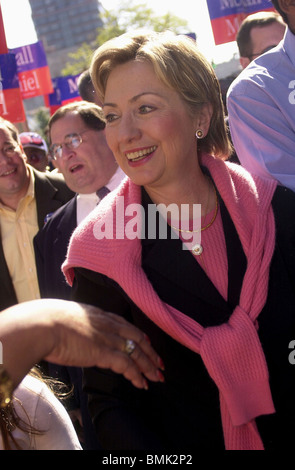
(206, 226)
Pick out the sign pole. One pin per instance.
(3, 44)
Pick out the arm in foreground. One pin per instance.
(73, 334)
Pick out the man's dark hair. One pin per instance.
(85, 87)
(256, 20)
(90, 113)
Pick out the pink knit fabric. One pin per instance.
(214, 254)
(231, 352)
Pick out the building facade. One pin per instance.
(63, 26)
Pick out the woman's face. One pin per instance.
(149, 128)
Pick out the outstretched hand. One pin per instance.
(74, 334)
(88, 336)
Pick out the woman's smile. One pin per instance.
(149, 128)
(142, 154)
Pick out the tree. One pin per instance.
(40, 122)
(129, 16)
(80, 59)
(117, 22)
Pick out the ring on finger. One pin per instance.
(129, 346)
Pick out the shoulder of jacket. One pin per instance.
(55, 180)
(283, 204)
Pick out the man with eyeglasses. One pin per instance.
(261, 108)
(36, 150)
(80, 152)
(26, 196)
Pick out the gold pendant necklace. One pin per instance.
(197, 249)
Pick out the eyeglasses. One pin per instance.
(72, 141)
(260, 53)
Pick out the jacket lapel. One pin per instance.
(7, 293)
(68, 219)
(167, 265)
(236, 258)
(46, 197)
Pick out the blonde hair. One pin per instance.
(179, 64)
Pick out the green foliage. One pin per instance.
(171, 22)
(117, 22)
(41, 119)
(129, 16)
(79, 60)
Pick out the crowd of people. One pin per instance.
(142, 265)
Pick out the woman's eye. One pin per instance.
(144, 109)
(110, 117)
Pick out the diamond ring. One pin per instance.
(129, 346)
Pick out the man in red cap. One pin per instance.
(35, 149)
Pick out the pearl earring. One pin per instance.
(199, 134)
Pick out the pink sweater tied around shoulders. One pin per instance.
(231, 352)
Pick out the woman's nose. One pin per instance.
(129, 129)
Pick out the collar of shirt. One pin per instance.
(87, 202)
(116, 179)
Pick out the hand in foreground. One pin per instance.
(92, 337)
(73, 334)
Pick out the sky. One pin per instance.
(20, 31)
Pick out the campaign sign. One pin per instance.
(11, 104)
(33, 71)
(227, 15)
(3, 45)
(53, 100)
(69, 89)
(65, 90)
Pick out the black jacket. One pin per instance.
(183, 413)
(50, 246)
(51, 192)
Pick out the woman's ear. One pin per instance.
(204, 118)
